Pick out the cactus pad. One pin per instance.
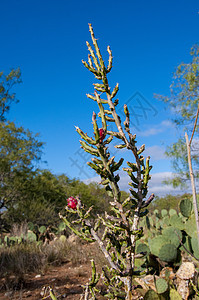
(143, 248)
(168, 253)
(186, 207)
(164, 213)
(172, 212)
(156, 243)
(42, 229)
(62, 238)
(161, 285)
(151, 295)
(177, 222)
(174, 295)
(190, 226)
(31, 236)
(194, 245)
(166, 221)
(172, 235)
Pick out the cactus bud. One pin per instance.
(72, 203)
(102, 135)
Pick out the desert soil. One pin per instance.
(65, 280)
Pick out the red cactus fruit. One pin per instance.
(102, 135)
(72, 202)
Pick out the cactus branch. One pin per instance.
(121, 226)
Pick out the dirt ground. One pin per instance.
(65, 280)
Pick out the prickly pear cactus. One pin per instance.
(190, 226)
(31, 236)
(42, 229)
(143, 248)
(164, 213)
(161, 285)
(151, 295)
(177, 222)
(194, 245)
(186, 207)
(168, 253)
(173, 294)
(156, 244)
(172, 235)
(172, 212)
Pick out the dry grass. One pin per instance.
(19, 260)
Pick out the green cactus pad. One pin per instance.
(42, 229)
(168, 253)
(159, 224)
(187, 243)
(156, 243)
(172, 212)
(161, 285)
(31, 226)
(177, 222)
(174, 295)
(172, 235)
(194, 245)
(31, 236)
(62, 238)
(156, 213)
(61, 226)
(143, 248)
(151, 221)
(151, 295)
(166, 221)
(164, 213)
(186, 207)
(190, 226)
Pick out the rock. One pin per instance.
(167, 272)
(8, 294)
(185, 273)
(147, 282)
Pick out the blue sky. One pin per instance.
(46, 39)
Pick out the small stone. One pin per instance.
(8, 294)
(38, 276)
(186, 271)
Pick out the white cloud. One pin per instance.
(93, 179)
(195, 146)
(157, 187)
(155, 152)
(155, 184)
(151, 131)
(156, 129)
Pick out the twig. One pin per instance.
(195, 204)
(185, 247)
(194, 127)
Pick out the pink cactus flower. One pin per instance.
(102, 135)
(72, 202)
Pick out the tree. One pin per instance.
(38, 197)
(6, 97)
(183, 101)
(20, 149)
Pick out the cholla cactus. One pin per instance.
(121, 227)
